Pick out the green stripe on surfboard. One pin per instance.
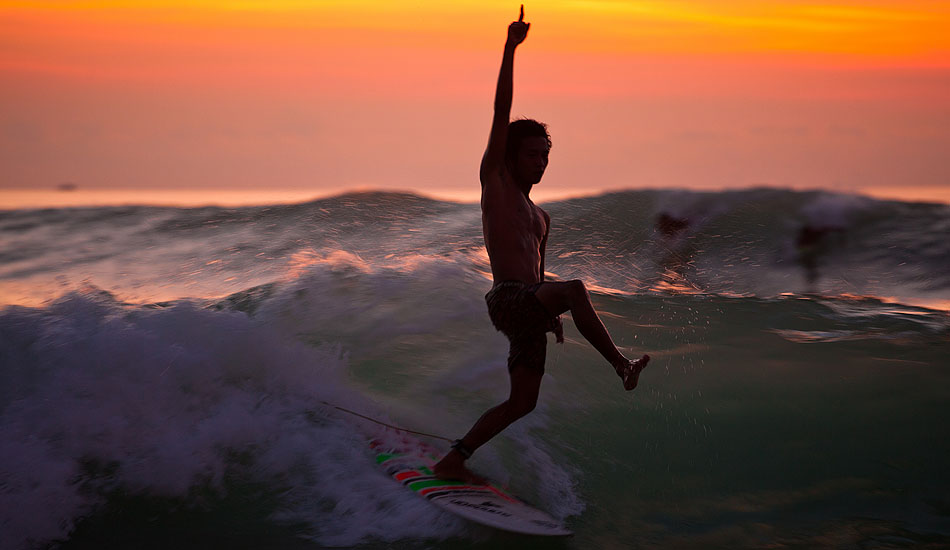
(383, 457)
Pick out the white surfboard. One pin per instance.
(409, 461)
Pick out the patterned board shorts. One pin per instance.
(518, 314)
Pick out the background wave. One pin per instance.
(761, 242)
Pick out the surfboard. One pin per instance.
(409, 461)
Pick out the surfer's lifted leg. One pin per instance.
(521, 305)
(558, 297)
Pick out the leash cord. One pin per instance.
(385, 424)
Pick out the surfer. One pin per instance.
(521, 304)
(812, 245)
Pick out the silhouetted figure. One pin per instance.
(520, 303)
(812, 245)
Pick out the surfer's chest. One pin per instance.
(510, 213)
(532, 219)
(524, 217)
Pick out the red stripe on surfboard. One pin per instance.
(402, 476)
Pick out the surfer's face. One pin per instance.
(532, 160)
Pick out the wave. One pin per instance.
(225, 404)
(217, 404)
(761, 242)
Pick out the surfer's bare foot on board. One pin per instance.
(452, 466)
(629, 371)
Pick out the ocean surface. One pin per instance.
(170, 376)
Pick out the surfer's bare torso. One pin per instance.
(515, 230)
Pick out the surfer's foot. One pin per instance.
(629, 371)
(452, 466)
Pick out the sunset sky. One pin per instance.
(320, 96)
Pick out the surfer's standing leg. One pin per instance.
(525, 385)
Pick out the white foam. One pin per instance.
(166, 395)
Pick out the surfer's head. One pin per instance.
(526, 150)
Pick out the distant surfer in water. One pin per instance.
(520, 303)
(813, 245)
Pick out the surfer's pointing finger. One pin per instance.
(517, 30)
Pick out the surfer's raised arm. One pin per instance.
(494, 157)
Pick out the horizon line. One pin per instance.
(22, 198)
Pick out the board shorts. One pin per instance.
(518, 314)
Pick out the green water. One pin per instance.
(743, 434)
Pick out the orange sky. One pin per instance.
(334, 94)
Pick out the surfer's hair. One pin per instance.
(520, 129)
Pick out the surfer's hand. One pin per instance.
(518, 30)
(558, 330)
